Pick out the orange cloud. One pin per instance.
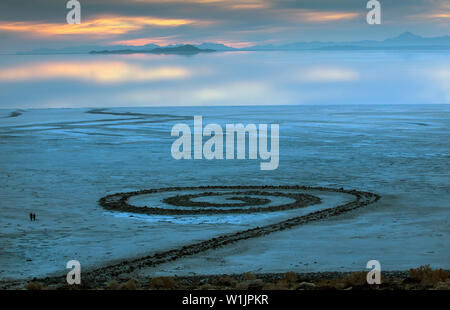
(317, 16)
(431, 16)
(103, 25)
(104, 72)
(224, 4)
(439, 15)
(248, 4)
(303, 15)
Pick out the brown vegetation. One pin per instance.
(163, 283)
(423, 277)
(427, 277)
(34, 286)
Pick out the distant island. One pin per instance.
(405, 41)
(178, 50)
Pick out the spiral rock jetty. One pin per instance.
(252, 199)
(244, 199)
(191, 201)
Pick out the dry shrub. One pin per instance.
(249, 276)
(226, 281)
(256, 284)
(427, 276)
(283, 284)
(290, 277)
(323, 283)
(206, 287)
(289, 281)
(272, 287)
(113, 285)
(358, 278)
(130, 285)
(34, 286)
(163, 283)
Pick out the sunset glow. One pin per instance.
(235, 23)
(227, 4)
(440, 15)
(144, 41)
(105, 25)
(316, 16)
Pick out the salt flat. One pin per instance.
(59, 162)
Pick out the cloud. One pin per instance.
(99, 26)
(225, 4)
(256, 21)
(144, 41)
(436, 15)
(311, 16)
(103, 72)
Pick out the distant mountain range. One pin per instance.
(405, 41)
(179, 50)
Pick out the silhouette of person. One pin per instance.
(31, 216)
(34, 216)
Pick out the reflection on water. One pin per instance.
(99, 72)
(233, 78)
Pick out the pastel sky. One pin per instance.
(26, 24)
